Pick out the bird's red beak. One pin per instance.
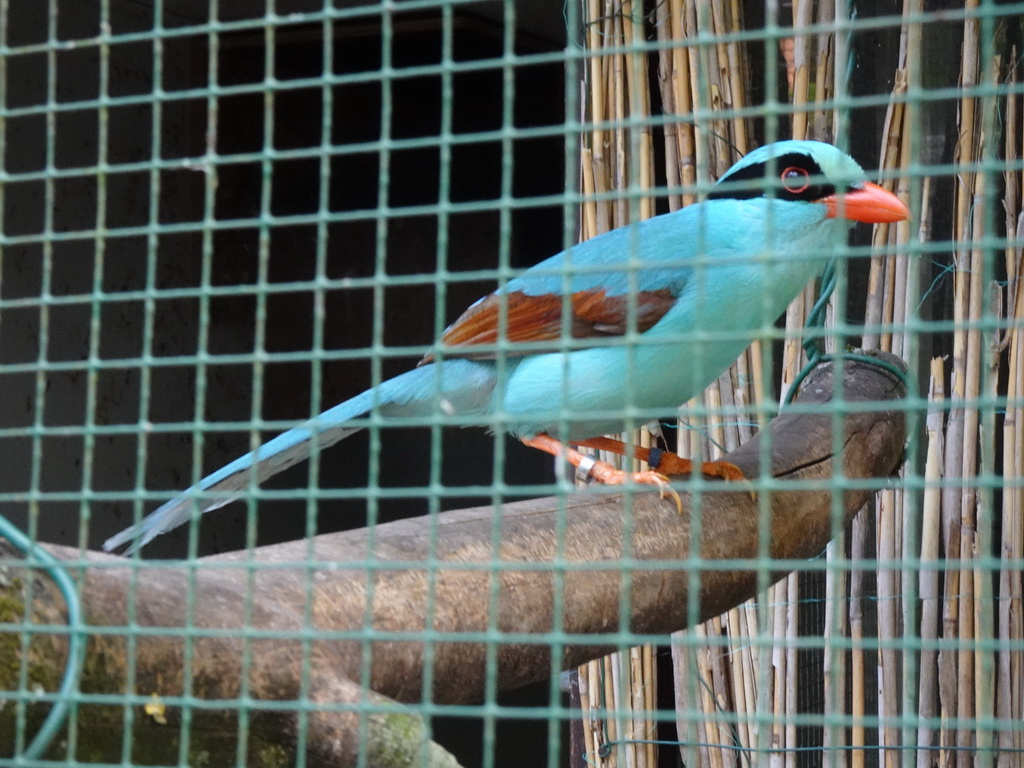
(869, 203)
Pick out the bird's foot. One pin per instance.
(609, 475)
(671, 464)
(666, 463)
(588, 467)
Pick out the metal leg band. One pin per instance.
(584, 469)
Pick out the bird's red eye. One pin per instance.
(795, 180)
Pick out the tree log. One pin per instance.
(377, 605)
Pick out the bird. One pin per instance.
(609, 333)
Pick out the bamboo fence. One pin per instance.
(919, 607)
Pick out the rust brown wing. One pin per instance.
(539, 318)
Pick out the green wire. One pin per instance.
(814, 346)
(76, 635)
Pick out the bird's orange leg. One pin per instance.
(587, 466)
(664, 462)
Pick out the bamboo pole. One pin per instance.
(792, 681)
(833, 669)
(858, 675)
(777, 742)
(929, 581)
(957, 541)
(667, 81)
(1011, 624)
(888, 666)
(621, 159)
(589, 719)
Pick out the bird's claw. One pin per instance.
(752, 490)
(729, 472)
(723, 470)
(665, 489)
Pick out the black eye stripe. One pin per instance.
(753, 181)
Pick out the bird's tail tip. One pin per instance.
(134, 536)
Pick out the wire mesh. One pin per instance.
(220, 219)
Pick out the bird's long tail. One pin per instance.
(459, 386)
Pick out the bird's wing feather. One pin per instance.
(618, 282)
(539, 319)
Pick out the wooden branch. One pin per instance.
(455, 576)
